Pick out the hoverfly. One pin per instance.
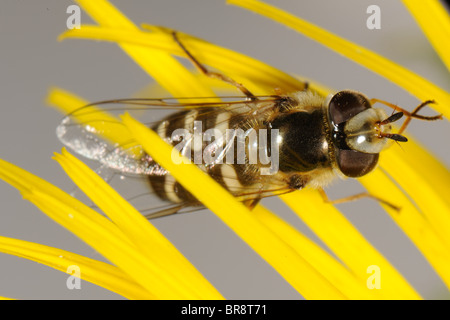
(313, 140)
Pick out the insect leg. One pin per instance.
(176, 209)
(210, 74)
(357, 197)
(251, 203)
(409, 115)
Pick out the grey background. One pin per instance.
(31, 60)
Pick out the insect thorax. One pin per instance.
(303, 141)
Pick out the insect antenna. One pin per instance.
(395, 137)
(394, 117)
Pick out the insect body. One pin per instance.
(277, 144)
(283, 142)
(316, 140)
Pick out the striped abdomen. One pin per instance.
(234, 177)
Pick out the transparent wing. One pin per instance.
(96, 132)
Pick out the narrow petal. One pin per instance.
(434, 21)
(333, 270)
(135, 226)
(97, 231)
(347, 243)
(26, 182)
(412, 222)
(166, 70)
(253, 73)
(97, 272)
(144, 271)
(425, 180)
(411, 82)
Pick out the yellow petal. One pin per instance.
(26, 182)
(253, 73)
(144, 271)
(412, 222)
(347, 243)
(333, 270)
(434, 20)
(413, 83)
(97, 272)
(166, 70)
(425, 180)
(97, 231)
(135, 226)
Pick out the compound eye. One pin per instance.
(346, 104)
(355, 164)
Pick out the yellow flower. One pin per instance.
(159, 271)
